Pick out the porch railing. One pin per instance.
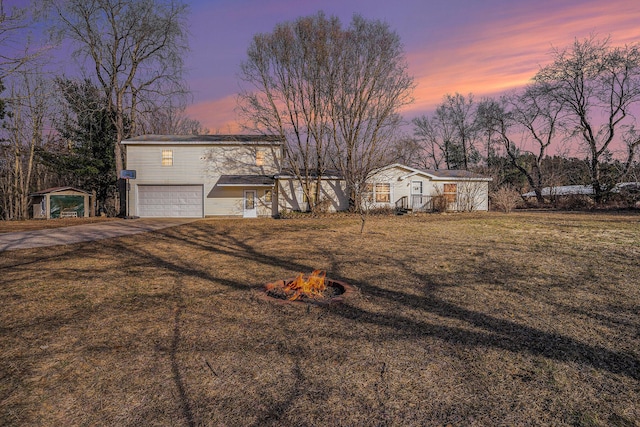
(421, 202)
(415, 202)
(402, 203)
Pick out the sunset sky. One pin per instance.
(483, 47)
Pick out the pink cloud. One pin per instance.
(504, 54)
(217, 115)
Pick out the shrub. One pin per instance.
(506, 199)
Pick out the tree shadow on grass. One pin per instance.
(484, 330)
(495, 332)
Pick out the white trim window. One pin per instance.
(450, 192)
(167, 157)
(383, 192)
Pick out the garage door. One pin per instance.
(177, 201)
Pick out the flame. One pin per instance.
(312, 286)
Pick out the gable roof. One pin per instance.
(311, 173)
(57, 190)
(437, 175)
(204, 140)
(245, 181)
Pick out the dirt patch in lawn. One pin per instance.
(480, 319)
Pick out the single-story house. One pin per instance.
(395, 186)
(61, 202)
(410, 189)
(242, 175)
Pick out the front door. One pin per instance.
(250, 206)
(416, 195)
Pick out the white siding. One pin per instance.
(291, 196)
(471, 194)
(200, 164)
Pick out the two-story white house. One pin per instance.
(194, 176)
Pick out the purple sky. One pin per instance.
(482, 47)
(478, 46)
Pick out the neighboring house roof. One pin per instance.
(437, 175)
(245, 181)
(57, 190)
(312, 173)
(456, 173)
(573, 190)
(204, 140)
(632, 187)
(563, 190)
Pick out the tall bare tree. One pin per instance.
(435, 135)
(521, 119)
(597, 84)
(24, 130)
(134, 49)
(287, 94)
(450, 133)
(370, 83)
(333, 94)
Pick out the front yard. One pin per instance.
(461, 319)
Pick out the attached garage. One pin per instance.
(165, 201)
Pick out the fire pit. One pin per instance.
(314, 288)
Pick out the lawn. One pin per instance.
(460, 319)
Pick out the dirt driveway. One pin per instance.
(85, 232)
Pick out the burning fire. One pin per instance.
(311, 287)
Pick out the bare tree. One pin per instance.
(471, 195)
(333, 94)
(23, 132)
(506, 199)
(526, 117)
(134, 48)
(593, 80)
(170, 119)
(370, 85)
(450, 133)
(432, 135)
(15, 49)
(287, 73)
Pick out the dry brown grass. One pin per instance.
(41, 224)
(474, 319)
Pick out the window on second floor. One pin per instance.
(259, 158)
(167, 157)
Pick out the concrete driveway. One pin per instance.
(85, 232)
